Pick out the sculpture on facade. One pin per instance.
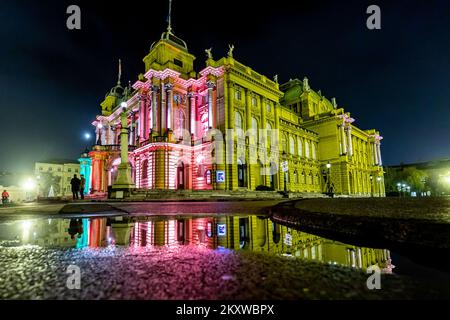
(209, 53)
(230, 50)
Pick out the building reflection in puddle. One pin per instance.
(251, 233)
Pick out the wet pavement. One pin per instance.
(208, 256)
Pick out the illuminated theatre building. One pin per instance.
(177, 118)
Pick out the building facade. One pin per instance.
(228, 127)
(53, 177)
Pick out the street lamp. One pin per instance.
(379, 186)
(371, 185)
(328, 165)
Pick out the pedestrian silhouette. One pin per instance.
(75, 183)
(5, 197)
(82, 186)
(75, 227)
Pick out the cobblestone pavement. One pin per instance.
(432, 209)
(190, 273)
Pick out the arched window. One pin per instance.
(291, 145)
(144, 169)
(313, 149)
(255, 128)
(284, 143)
(269, 134)
(310, 178)
(237, 120)
(307, 149)
(299, 147)
(295, 177)
(303, 177)
(180, 124)
(242, 172)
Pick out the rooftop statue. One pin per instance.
(230, 51)
(209, 53)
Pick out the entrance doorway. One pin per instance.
(242, 173)
(180, 176)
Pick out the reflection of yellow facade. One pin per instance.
(253, 233)
(245, 232)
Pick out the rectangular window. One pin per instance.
(268, 108)
(178, 63)
(253, 101)
(69, 170)
(238, 95)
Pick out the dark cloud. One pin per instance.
(395, 79)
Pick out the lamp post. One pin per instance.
(99, 136)
(371, 186)
(379, 186)
(284, 156)
(328, 165)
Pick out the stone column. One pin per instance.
(124, 181)
(379, 153)
(163, 118)
(141, 120)
(193, 112)
(375, 153)
(155, 126)
(210, 86)
(262, 134)
(248, 124)
(169, 118)
(350, 143)
(231, 174)
(343, 140)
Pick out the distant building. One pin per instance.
(14, 183)
(57, 174)
(437, 181)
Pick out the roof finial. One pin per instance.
(169, 18)
(120, 72)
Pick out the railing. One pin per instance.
(112, 148)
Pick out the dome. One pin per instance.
(172, 39)
(116, 91)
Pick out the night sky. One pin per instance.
(396, 79)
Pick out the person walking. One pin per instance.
(75, 183)
(5, 197)
(82, 186)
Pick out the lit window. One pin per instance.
(307, 149)
(291, 145)
(313, 148)
(237, 120)
(299, 147)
